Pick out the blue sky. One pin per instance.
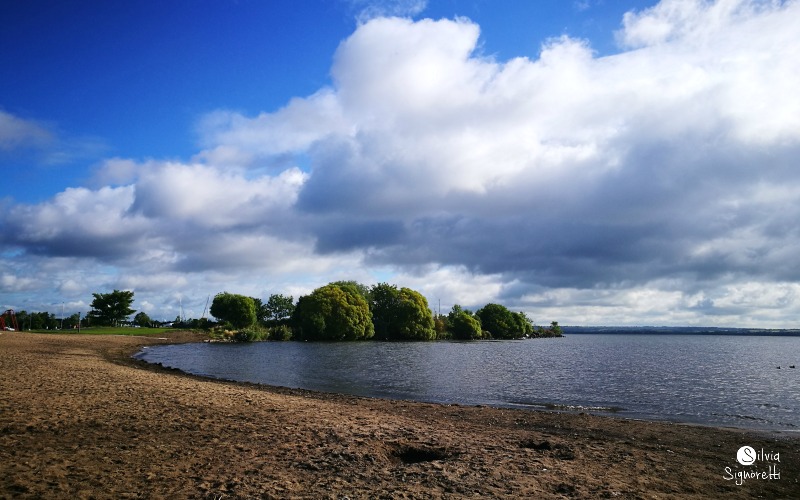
(592, 162)
(133, 79)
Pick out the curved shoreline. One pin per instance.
(362, 386)
(81, 417)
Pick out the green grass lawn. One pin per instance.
(111, 330)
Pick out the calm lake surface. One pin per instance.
(705, 379)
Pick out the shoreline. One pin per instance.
(82, 417)
(567, 408)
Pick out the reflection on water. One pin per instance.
(705, 379)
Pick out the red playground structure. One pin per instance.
(12, 321)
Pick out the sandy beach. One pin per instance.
(79, 418)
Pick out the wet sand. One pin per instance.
(80, 419)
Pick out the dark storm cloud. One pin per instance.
(346, 236)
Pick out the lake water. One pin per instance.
(705, 379)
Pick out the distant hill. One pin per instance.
(681, 330)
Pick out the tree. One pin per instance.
(44, 321)
(522, 324)
(400, 314)
(382, 304)
(111, 308)
(278, 309)
(23, 320)
(238, 310)
(354, 286)
(142, 319)
(500, 322)
(333, 312)
(415, 317)
(553, 331)
(72, 321)
(457, 309)
(441, 326)
(463, 325)
(261, 310)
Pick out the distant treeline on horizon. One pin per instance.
(681, 330)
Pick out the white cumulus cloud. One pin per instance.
(653, 185)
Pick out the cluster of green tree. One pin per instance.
(347, 310)
(107, 309)
(114, 309)
(493, 321)
(45, 321)
(252, 319)
(342, 310)
(187, 323)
